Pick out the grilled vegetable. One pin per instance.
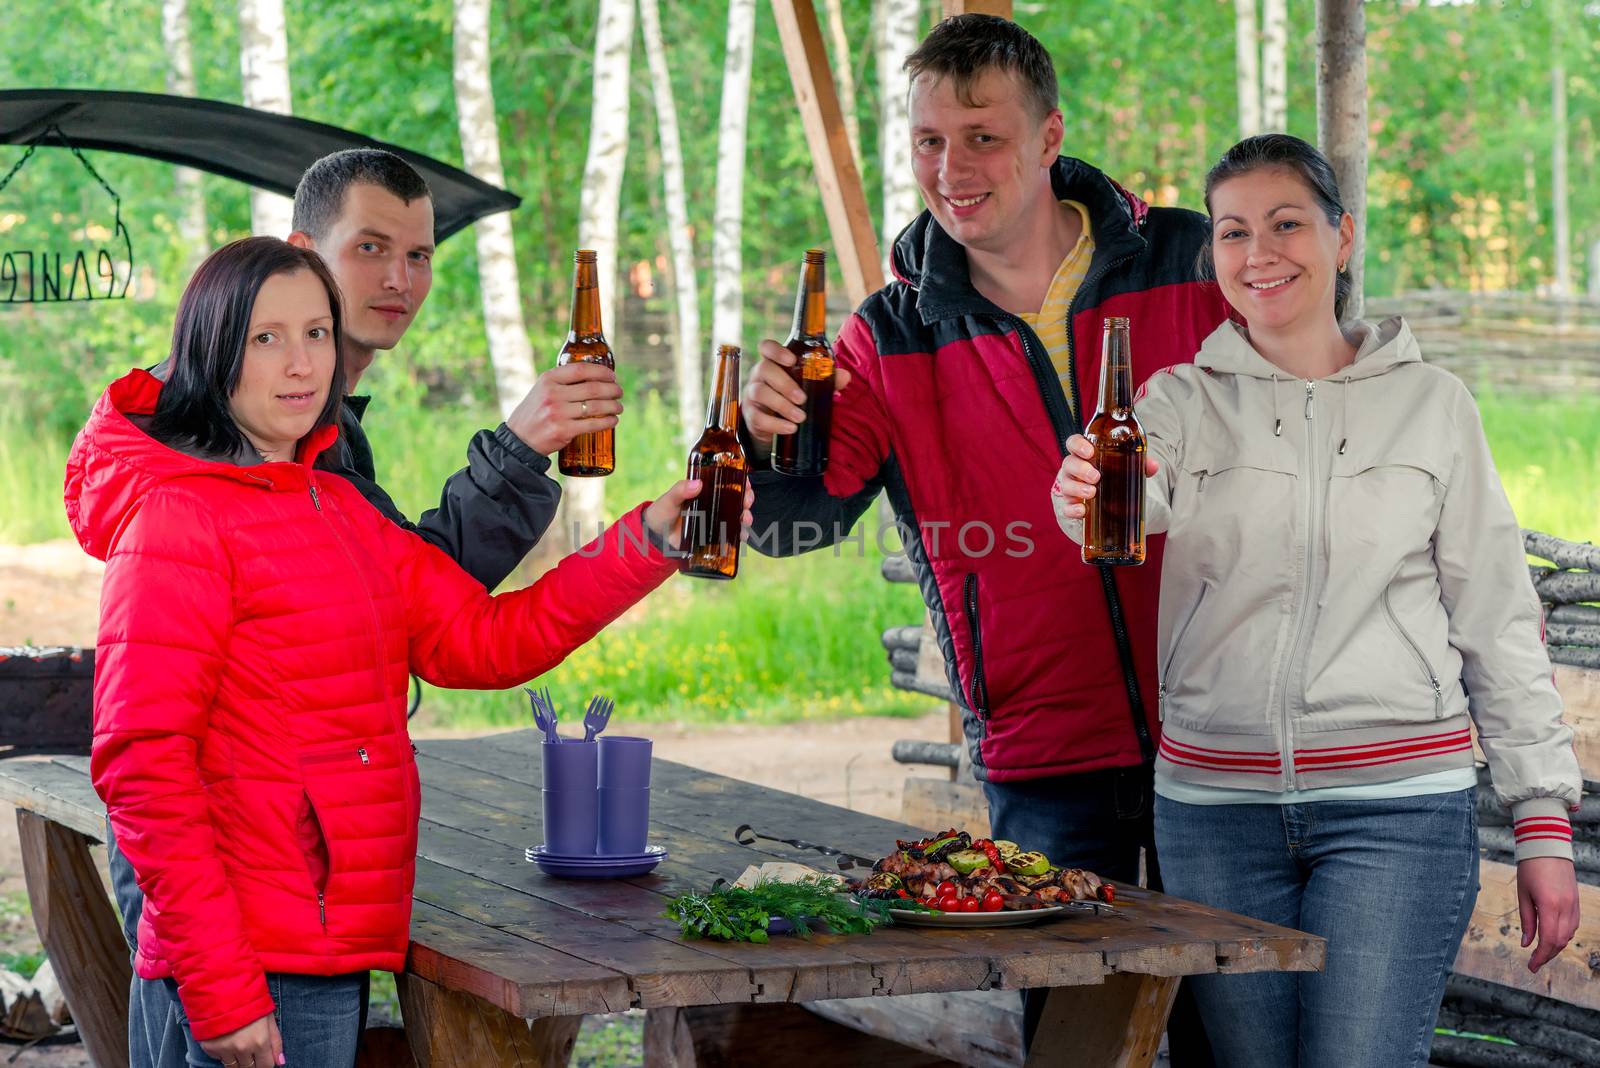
(942, 849)
(1007, 849)
(1029, 864)
(883, 884)
(967, 861)
(996, 860)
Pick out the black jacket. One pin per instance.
(491, 512)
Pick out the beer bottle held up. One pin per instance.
(1113, 527)
(712, 524)
(805, 452)
(594, 453)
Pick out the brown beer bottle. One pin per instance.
(595, 453)
(1113, 528)
(712, 525)
(805, 452)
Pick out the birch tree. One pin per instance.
(180, 82)
(510, 353)
(1342, 118)
(1247, 66)
(583, 500)
(264, 65)
(727, 286)
(686, 357)
(898, 23)
(1274, 65)
(1560, 218)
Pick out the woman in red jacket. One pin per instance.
(259, 620)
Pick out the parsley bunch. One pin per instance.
(734, 914)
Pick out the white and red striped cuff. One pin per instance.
(1542, 827)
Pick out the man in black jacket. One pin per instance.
(370, 216)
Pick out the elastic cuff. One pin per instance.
(1543, 828)
(520, 450)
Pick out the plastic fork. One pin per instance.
(544, 712)
(596, 716)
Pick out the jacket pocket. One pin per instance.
(314, 848)
(325, 774)
(1428, 673)
(1172, 654)
(969, 604)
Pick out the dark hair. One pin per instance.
(1301, 159)
(319, 197)
(962, 47)
(208, 343)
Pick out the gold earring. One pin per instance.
(1343, 267)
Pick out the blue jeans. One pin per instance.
(1098, 820)
(1389, 883)
(319, 1017)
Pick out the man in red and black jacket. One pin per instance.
(959, 383)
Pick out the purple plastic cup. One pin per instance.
(570, 765)
(624, 762)
(624, 820)
(571, 822)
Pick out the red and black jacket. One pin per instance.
(957, 412)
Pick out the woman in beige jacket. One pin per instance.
(1343, 595)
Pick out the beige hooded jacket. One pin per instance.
(1344, 583)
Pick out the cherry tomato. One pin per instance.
(970, 904)
(949, 903)
(993, 901)
(947, 887)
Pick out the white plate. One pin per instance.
(1016, 918)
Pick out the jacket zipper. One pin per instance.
(1309, 563)
(980, 690)
(372, 608)
(1172, 654)
(1416, 652)
(1072, 422)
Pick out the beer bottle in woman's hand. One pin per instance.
(1113, 529)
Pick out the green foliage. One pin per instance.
(733, 914)
(1547, 450)
(22, 964)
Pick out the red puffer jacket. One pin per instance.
(257, 627)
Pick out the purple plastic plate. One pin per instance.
(596, 867)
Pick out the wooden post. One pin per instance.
(1117, 1024)
(451, 1029)
(855, 242)
(81, 934)
(1342, 117)
(978, 7)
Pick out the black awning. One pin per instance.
(259, 148)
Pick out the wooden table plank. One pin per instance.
(55, 790)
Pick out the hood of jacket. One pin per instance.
(1380, 347)
(115, 462)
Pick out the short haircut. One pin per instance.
(319, 197)
(963, 47)
(208, 343)
(1301, 159)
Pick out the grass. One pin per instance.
(791, 639)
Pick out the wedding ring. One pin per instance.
(583, 409)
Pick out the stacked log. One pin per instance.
(1569, 586)
(1546, 1033)
(46, 700)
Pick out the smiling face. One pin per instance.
(984, 171)
(1277, 256)
(287, 370)
(380, 250)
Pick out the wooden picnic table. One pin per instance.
(496, 942)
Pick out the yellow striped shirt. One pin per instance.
(1050, 322)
